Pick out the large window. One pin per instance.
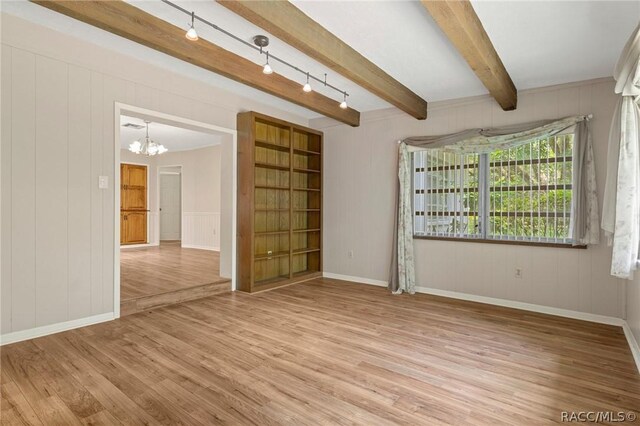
(522, 194)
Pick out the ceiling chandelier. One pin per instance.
(146, 146)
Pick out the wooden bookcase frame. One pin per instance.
(279, 202)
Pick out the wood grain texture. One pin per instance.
(291, 25)
(168, 267)
(322, 352)
(125, 20)
(460, 23)
(279, 198)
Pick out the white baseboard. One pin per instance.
(354, 279)
(191, 246)
(32, 333)
(602, 319)
(585, 316)
(132, 246)
(633, 344)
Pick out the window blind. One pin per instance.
(522, 193)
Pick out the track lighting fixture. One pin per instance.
(307, 86)
(343, 104)
(260, 42)
(267, 68)
(192, 34)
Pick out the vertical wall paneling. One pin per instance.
(80, 183)
(23, 195)
(201, 230)
(51, 191)
(6, 190)
(57, 226)
(97, 209)
(115, 90)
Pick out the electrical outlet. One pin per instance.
(518, 273)
(350, 254)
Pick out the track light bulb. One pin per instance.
(343, 104)
(267, 68)
(191, 33)
(307, 86)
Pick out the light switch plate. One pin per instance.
(103, 182)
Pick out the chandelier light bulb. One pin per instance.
(192, 34)
(146, 146)
(135, 147)
(307, 86)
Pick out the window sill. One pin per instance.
(507, 242)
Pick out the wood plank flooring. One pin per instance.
(154, 270)
(322, 352)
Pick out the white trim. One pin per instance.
(32, 333)
(633, 344)
(191, 246)
(585, 316)
(119, 108)
(354, 279)
(132, 246)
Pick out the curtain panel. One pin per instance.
(584, 227)
(621, 204)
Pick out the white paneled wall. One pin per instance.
(57, 231)
(360, 182)
(201, 230)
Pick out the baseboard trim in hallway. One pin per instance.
(145, 303)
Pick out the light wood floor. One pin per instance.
(322, 352)
(154, 270)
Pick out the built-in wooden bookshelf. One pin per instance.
(279, 202)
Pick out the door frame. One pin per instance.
(181, 198)
(122, 108)
(148, 243)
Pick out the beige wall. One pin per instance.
(57, 232)
(633, 306)
(201, 183)
(359, 188)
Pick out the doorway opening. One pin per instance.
(170, 203)
(177, 211)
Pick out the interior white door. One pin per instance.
(170, 206)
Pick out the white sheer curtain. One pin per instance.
(621, 204)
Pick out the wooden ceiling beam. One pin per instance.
(125, 20)
(460, 23)
(292, 26)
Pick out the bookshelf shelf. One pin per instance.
(279, 202)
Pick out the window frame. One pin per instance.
(484, 211)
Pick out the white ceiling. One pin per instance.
(173, 138)
(540, 42)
